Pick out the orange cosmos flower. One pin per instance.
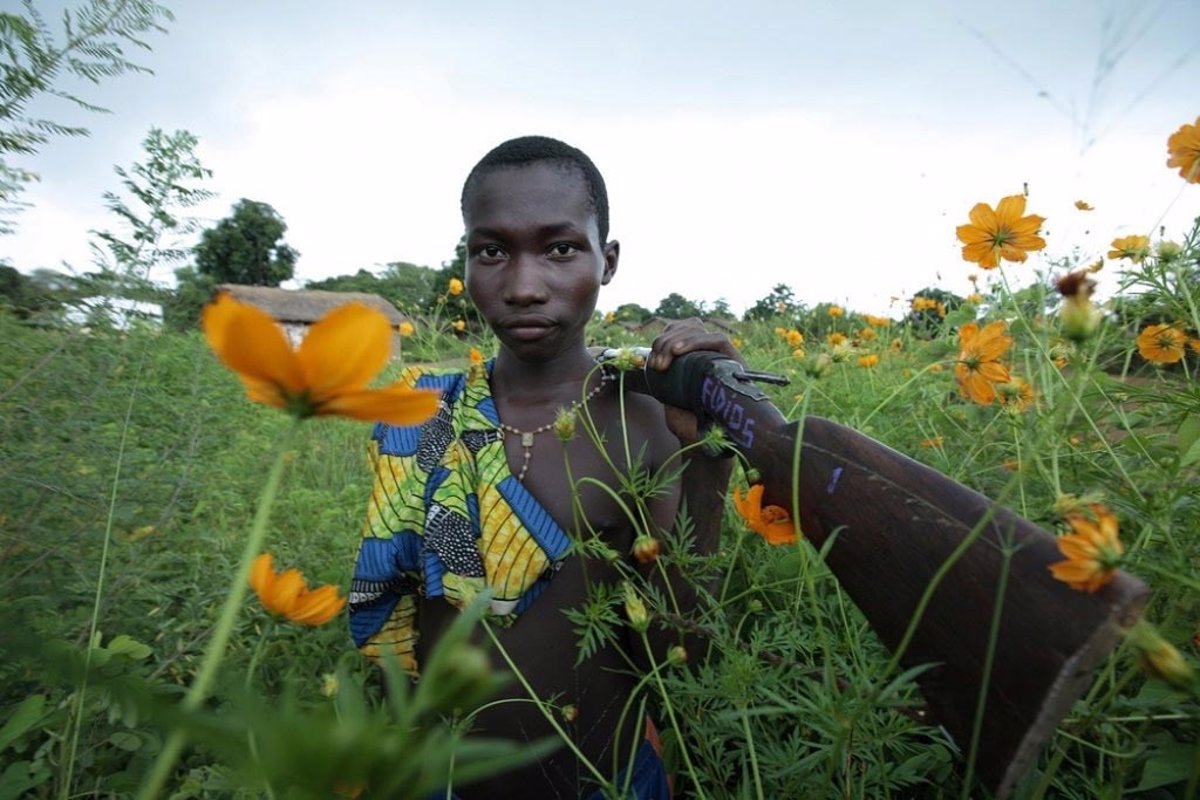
(1135, 248)
(867, 334)
(836, 339)
(327, 375)
(877, 322)
(455, 288)
(836, 311)
(1093, 550)
(868, 361)
(1003, 233)
(406, 328)
(1162, 344)
(1184, 147)
(978, 368)
(794, 338)
(772, 523)
(286, 594)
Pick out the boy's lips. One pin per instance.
(527, 328)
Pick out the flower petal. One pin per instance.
(983, 217)
(250, 343)
(318, 606)
(396, 405)
(1010, 209)
(344, 350)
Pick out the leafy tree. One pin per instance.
(158, 189)
(676, 306)
(246, 247)
(780, 302)
(632, 312)
(90, 43)
(408, 286)
(721, 309)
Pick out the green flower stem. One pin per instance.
(758, 787)
(670, 709)
(161, 770)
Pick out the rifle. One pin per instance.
(925, 559)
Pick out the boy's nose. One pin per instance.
(525, 284)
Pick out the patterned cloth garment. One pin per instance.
(447, 518)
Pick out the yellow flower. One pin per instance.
(978, 368)
(1162, 344)
(455, 288)
(897, 345)
(794, 338)
(867, 334)
(460, 325)
(327, 375)
(781, 332)
(287, 595)
(932, 442)
(737, 342)
(1001, 234)
(836, 311)
(406, 328)
(868, 361)
(1184, 147)
(877, 322)
(772, 523)
(974, 297)
(610, 317)
(1093, 550)
(935, 368)
(1083, 205)
(1135, 248)
(835, 339)
(798, 352)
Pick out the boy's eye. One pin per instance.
(563, 250)
(490, 252)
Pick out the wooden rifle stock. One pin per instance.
(898, 526)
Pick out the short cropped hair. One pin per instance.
(527, 150)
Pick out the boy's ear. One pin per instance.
(612, 254)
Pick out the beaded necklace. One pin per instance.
(527, 436)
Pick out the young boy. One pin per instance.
(480, 498)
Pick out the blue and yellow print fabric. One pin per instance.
(447, 518)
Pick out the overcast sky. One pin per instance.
(831, 146)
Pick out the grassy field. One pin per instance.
(132, 468)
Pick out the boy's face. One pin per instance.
(535, 262)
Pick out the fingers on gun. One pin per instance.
(684, 336)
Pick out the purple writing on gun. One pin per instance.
(725, 408)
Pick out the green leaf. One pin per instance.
(1171, 762)
(130, 742)
(1188, 441)
(19, 778)
(24, 718)
(130, 647)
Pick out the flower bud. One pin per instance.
(635, 609)
(564, 424)
(570, 712)
(677, 655)
(645, 549)
(1159, 659)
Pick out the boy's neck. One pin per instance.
(534, 380)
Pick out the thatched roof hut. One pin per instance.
(303, 307)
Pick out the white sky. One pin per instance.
(831, 146)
